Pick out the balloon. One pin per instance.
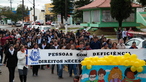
(133, 56)
(89, 66)
(126, 63)
(86, 58)
(83, 67)
(140, 69)
(127, 55)
(133, 68)
(136, 64)
(83, 63)
(95, 58)
(88, 62)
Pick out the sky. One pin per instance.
(29, 3)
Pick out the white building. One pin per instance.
(38, 14)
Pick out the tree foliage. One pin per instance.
(6, 11)
(77, 13)
(20, 12)
(59, 8)
(143, 2)
(120, 10)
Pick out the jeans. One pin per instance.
(60, 70)
(74, 68)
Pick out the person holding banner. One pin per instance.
(72, 67)
(54, 46)
(81, 48)
(11, 62)
(22, 67)
(35, 68)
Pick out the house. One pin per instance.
(97, 14)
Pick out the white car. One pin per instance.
(140, 43)
(44, 28)
(30, 27)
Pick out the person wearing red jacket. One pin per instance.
(130, 35)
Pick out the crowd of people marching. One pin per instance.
(13, 44)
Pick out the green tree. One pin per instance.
(5, 11)
(22, 11)
(143, 2)
(78, 14)
(59, 8)
(120, 10)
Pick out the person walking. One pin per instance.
(72, 67)
(35, 68)
(21, 65)
(124, 35)
(54, 46)
(11, 62)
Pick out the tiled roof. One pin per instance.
(102, 4)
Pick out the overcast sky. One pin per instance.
(29, 3)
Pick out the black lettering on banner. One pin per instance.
(114, 53)
(49, 54)
(123, 53)
(97, 53)
(107, 53)
(119, 53)
(63, 54)
(80, 54)
(56, 54)
(94, 54)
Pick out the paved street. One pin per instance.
(43, 76)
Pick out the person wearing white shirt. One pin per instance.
(124, 34)
(21, 65)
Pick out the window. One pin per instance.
(129, 43)
(106, 16)
(96, 16)
(50, 9)
(86, 16)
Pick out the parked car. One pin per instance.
(39, 22)
(53, 24)
(24, 25)
(18, 24)
(30, 27)
(48, 23)
(44, 28)
(140, 43)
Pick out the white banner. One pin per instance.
(59, 56)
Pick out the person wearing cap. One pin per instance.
(11, 62)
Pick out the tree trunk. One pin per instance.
(61, 18)
(120, 23)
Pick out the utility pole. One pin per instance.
(23, 10)
(34, 11)
(66, 5)
(11, 4)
